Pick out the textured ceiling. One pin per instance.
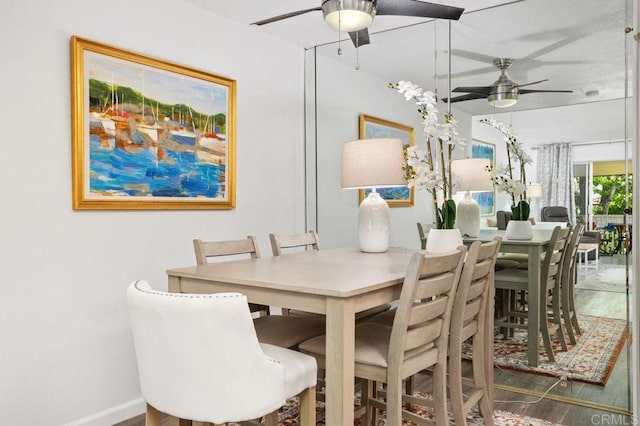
(577, 45)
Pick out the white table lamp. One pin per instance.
(534, 193)
(471, 175)
(373, 163)
(534, 190)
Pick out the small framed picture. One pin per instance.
(486, 199)
(372, 127)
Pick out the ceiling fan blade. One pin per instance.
(574, 62)
(285, 16)
(474, 56)
(481, 90)
(474, 72)
(524, 92)
(360, 38)
(564, 41)
(417, 8)
(468, 97)
(532, 83)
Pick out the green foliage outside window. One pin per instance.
(612, 194)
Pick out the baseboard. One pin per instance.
(112, 415)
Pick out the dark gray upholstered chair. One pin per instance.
(555, 214)
(503, 217)
(561, 214)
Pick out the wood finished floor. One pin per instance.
(590, 404)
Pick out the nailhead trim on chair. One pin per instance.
(190, 295)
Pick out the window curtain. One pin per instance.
(555, 173)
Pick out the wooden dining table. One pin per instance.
(533, 248)
(337, 283)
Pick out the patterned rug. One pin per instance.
(590, 360)
(288, 416)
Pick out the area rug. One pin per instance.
(590, 360)
(603, 278)
(288, 416)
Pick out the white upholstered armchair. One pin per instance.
(199, 359)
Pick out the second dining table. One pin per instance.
(336, 282)
(533, 248)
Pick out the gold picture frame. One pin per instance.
(148, 133)
(485, 199)
(373, 127)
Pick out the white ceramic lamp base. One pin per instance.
(373, 224)
(468, 216)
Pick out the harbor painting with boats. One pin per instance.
(154, 133)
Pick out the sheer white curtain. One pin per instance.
(555, 174)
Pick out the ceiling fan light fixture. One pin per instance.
(348, 15)
(503, 100)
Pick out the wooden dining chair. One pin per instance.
(282, 244)
(216, 249)
(418, 339)
(280, 330)
(422, 233)
(566, 307)
(472, 320)
(516, 279)
(199, 359)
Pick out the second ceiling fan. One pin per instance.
(355, 16)
(503, 92)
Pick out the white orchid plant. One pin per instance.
(502, 175)
(420, 166)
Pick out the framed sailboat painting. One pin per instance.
(372, 127)
(149, 134)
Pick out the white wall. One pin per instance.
(66, 353)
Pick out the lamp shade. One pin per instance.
(472, 174)
(370, 163)
(534, 190)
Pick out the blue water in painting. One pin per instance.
(485, 200)
(138, 173)
(399, 194)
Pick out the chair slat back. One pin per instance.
(208, 249)
(472, 295)
(424, 309)
(572, 250)
(216, 249)
(280, 242)
(555, 253)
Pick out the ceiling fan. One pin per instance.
(503, 92)
(355, 16)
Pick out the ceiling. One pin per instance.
(578, 45)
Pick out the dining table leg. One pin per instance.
(533, 300)
(339, 373)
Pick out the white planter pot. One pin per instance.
(443, 240)
(519, 230)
